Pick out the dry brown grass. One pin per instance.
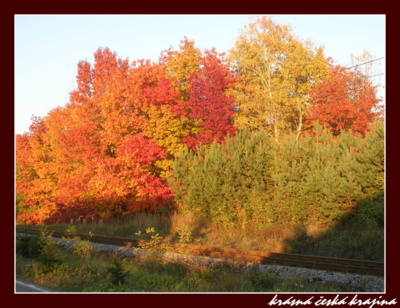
(197, 230)
(272, 238)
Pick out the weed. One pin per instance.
(184, 235)
(82, 248)
(155, 243)
(192, 280)
(260, 281)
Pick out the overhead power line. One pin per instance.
(376, 75)
(365, 62)
(345, 68)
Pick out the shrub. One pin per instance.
(28, 246)
(155, 243)
(185, 235)
(371, 214)
(50, 254)
(82, 248)
(218, 182)
(253, 181)
(117, 271)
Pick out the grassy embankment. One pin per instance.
(348, 239)
(82, 270)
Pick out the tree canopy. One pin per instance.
(276, 73)
(142, 135)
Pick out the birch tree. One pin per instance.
(276, 72)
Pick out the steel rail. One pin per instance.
(305, 261)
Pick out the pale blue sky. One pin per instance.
(48, 47)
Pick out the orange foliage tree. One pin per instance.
(36, 181)
(110, 150)
(345, 100)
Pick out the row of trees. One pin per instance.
(111, 149)
(252, 180)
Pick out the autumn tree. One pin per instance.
(106, 152)
(132, 108)
(210, 103)
(180, 65)
(276, 72)
(25, 173)
(345, 100)
(156, 108)
(76, 133)
(36, 179)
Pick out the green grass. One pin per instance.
(80, 269)
(154, 275)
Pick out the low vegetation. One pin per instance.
(354, 238)
(112, 273)
(78, 268)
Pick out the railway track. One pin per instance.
(312, 262)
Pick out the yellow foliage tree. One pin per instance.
(180, 65)
(276, 72)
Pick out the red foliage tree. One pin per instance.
(210, 102)
(110, 149)
(345, 100)
(102, 153)
(108, 138)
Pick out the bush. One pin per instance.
(118, 274)
(253, 181)
(28, 246)
(218, 182)
(371, 214)
(50, 254)
(155, 243)
(42, 248)
(185, 235)
(82, 248)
